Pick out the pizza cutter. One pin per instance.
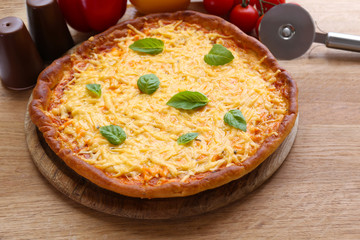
(288, 31)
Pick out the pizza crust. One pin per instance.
(50, 77)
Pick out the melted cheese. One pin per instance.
(152, 127)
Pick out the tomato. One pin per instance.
(88, 15)
(218, 7)
(257, 26)
(268, 5)
(252, 2)
(244, 17)
(147, 6)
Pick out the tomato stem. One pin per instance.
(261, 8)
(262, 2)
(245, 3)
(274, 4)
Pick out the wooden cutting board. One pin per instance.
(88, 194)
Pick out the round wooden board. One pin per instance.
(88, 194)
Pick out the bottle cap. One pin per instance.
(20, 62)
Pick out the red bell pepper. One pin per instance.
(89, 15)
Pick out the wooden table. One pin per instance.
(315, 194)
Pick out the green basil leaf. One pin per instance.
(94, 89)
(114, 134)
(188, 100)
(148, 83)
(218, 55)
(151, 46)
(235, 119)
(186, 138)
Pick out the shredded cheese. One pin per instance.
(151, 126)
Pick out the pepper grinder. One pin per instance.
(20, 62)
(48, 28)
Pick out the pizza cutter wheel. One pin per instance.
(288, 31)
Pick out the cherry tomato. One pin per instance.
(257, 27)
(244, 17)
(218, 7)
(252, 2)
(267, 6)
(147, 6)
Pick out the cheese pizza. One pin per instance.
(166, 105)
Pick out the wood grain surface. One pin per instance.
(84, 192)
(314, 195)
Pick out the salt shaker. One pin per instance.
(20, 62)
(48, 28)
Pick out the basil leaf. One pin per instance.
(151, 46)
(188, 100)
(148, 83)
(186, 138)
(94, 89)
(114, 134)
(218, 55)
(235, 119)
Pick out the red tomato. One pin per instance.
(244, 17)
(257, 27)
(218, 7)
(267, 6)
(252, 2)
(87, 15)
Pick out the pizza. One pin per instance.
(165, 105)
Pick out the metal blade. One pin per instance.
(287, 30)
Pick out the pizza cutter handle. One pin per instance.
(343, 41)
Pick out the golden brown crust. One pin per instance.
(49, 78)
